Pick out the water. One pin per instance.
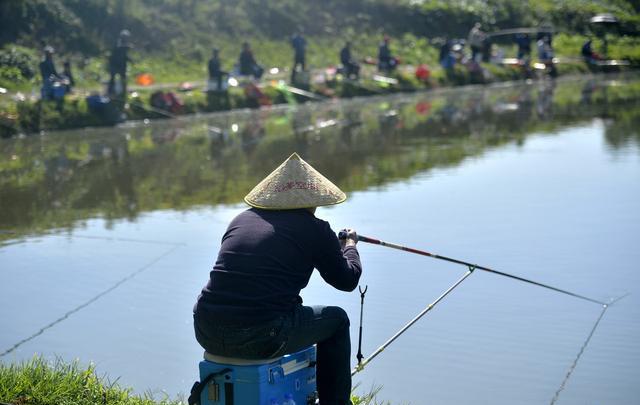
(108, 235)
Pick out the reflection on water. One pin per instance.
(54, 180)
(537, 180)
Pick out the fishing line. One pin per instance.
(112, 239)
(582, 349)
(90, 301)
(363, 363)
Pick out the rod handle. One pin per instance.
(342, 235)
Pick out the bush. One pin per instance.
(17, 59)
(29, 116)
(9, 76)
(17, 66)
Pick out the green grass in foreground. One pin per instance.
(39, 382)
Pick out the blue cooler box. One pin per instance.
(235, 383)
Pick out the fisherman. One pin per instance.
(476, 40)
(68, 76)
(524, 45)
(386, 61)
(251, 309)
(545, 31)
(247, 63)
(447, 60)
(215, 72)
(587, 52)
(118, 63)
(299, 45)
(351, 67)
(545, 54)
(49, 73)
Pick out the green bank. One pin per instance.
(42, 382)
(173, 42)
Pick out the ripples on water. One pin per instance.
(109, 234)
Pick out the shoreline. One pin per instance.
(36, 116)
(38, 381)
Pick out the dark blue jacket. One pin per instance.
(47, 69)
(266, 258)
(345, 56)
(214, 68)
(247, 63)
(299, 44)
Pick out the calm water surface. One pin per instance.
(107, 236)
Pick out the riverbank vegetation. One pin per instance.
(39, 382)
(173, 41)
(179, 31)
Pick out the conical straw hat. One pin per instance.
(294, 184)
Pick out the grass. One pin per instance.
(39, 382)
(368, 399)
(190, 64)
(30, 116)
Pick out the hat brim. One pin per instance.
(293, 185)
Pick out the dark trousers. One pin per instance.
(351, 70)
(387, 65)
(298, 60)
(328, 327)
(218, 80)
(111, 87)
(475, 50)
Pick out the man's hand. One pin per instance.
(350, 240)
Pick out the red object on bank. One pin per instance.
(423, 72)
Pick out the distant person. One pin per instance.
(476, 40)
(118, 63)
(545, 30)
(545, 54)
(299, 45)
(523, 40)
(351, 67)
(68, 76)
(447, 60)
(215, 72)
(587, 52)
(49, 74)
(247, 63)
(386, 61)
(487, 49)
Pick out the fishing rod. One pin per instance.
(343, 235)
(153, 109)
(471, 268)
(167, 114)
